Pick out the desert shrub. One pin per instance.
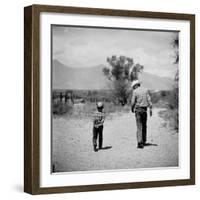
(155, 97)
(165, 99)
(173, 99)
(60, 108)
(171, 118)
(86, 110)
(173, 105)
(170, 100)
(163, 93)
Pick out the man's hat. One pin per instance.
(136, 82)
(100, 104)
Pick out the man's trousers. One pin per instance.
(141, 122)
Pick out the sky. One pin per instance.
(90, 47)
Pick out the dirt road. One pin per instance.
(73, 150)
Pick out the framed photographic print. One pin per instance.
(109, 99)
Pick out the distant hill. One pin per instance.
(65, 77)
(154, 82)
(92, 78)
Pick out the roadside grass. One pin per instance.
(86, 110)
(162, 99)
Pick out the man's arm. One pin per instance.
(133, 102)
(149, 103)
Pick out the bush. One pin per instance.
(60, 108)
(173, 99)
(171, 117)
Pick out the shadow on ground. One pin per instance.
(150, 144)
(106, 148)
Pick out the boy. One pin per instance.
(98, 120)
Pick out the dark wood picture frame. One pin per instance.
(32, 104)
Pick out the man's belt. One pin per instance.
(141, 109)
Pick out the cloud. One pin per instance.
(83, 47)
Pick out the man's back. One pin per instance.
(141, 98)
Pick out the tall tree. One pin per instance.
(121, 72)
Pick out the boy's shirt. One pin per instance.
(98, 119)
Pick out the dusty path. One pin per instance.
(73, 150)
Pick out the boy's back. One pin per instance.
(98, 118)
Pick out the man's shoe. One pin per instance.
(140, 146)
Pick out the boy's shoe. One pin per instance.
(95, 149)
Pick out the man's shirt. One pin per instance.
(141, 98)
(98, 119)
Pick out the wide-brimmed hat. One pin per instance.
(135, 82)
(100, 105)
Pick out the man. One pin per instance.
(139, 103)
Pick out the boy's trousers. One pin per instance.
(98, 134)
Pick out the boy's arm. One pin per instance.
(103, 118)
(101, 121)
(98, 120)
(94, 118)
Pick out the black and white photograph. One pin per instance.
(114, 99)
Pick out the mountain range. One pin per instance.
(92, 78)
